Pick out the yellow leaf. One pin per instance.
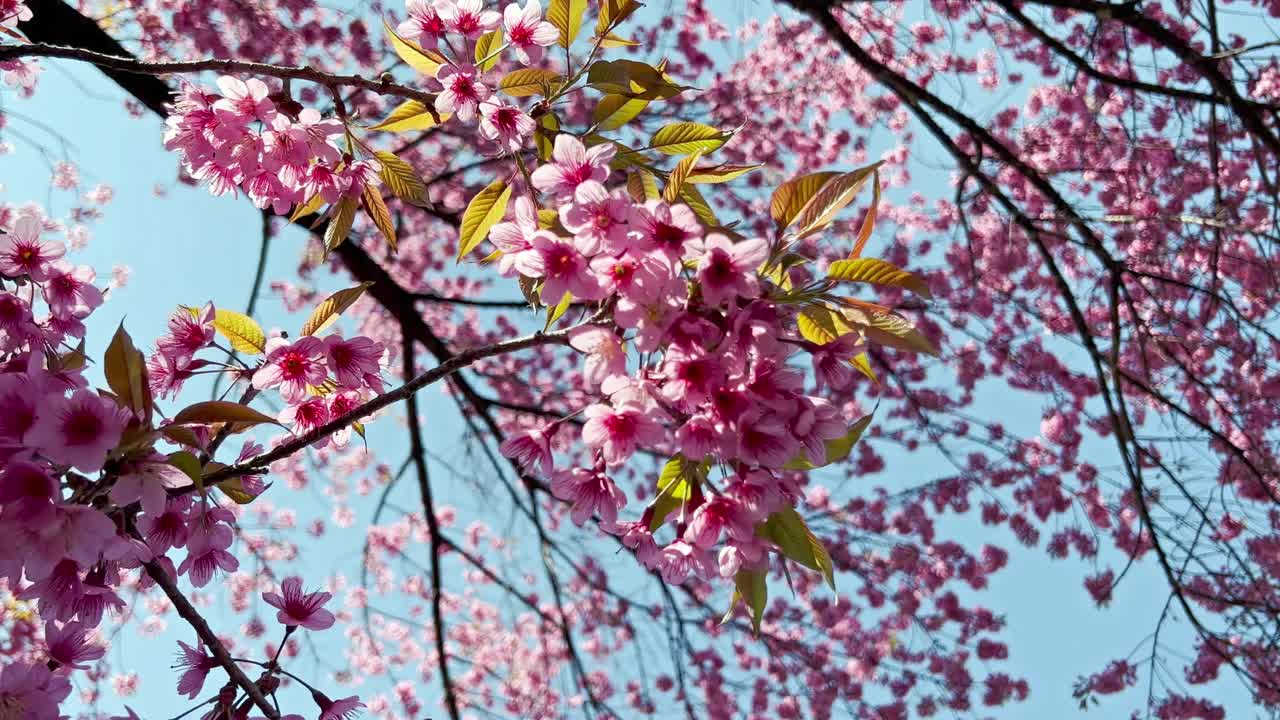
(686, 137)
(642, 186)
(829, 200)
(242, 331)
(877, 272)
(544, 134)
(613, 41)
(567, 15)
(528, 81)
(613, 12)
(209, 412)
(675, 487)
(482, 213)
(425, 62)
(558, 311)
(633, 79)
(327, 312)
(890, 330)
(791, 196)
(486, 46)
(821, 326)
(720, 173)
(863, 363)
(344, 215)
(410, 115)
(751, 587)
(377, 211)
(690, 196)
(400, 177)
(675, 181)
(614, 111)
(311, 206)
(868, 222)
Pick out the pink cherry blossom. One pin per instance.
(188, 333)
(299, 609)
(195, 666)
(726, 269)
(463, 92)
(424, 25)
(292, 365)
(146, 481)
(527, 32)
(605, 355)
(505, 124)
(22, 252)
(467, 17)
(70, 646)
(597, 219)
(530, 448)
(573, 167)
(562, 267)
(354, 362)
(78, 430)
(618, 432)
(591, 493)
(243, 101)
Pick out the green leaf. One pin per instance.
(486, 45)
(241, 417)
(820, 325)
(544, 135)
(614, 111)
(642, 186)
(234, 489)
(482, 213)
(400, 177)
(529, 81)
(327, 312)
(613, 12)
(243, 332)
(795, 541)
(863, 364)
(720, 173)
(792, 195)
(675, 487)
(558, 311)
(691, 196)
(376, 209)
(425, 62)
(685, 137)
(633, 79)
(344, 215)
(834, 195)
(410, 115)
(567, 16)
(837, 448)
(877, 272)
(126, 371)
(189, 464)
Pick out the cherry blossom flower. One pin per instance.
(22, 252)
(573, 167)
(206, 555)
(605, 355)
(463, 92)
(515, 236)
(619, 432)
(562, 267)
(590, 493)
(726, 269)
(354, 362)
(243, 101)
(69, 645)
(424, 25)
(505, 124)
(299, 609)
(530, 448)
(70, 288)
(467, 17)
(527, 32)
(78, 430)
(13, 12)
(32, 691)
(669, 228)
(147, 481)
(195, 666)
(598, 219)
(292, 365)
(343, 709)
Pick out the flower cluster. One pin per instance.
(243, 139)
(715, 381)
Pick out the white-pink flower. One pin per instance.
(573, 167)
(292, 366)
(618, 432)
(298, 608)
(505, 124)
(726, 269)
(463, 92)
(424, 25)
(467, 17)
(78, 430)
(605, 355)
(591, 493)
(243, 101)
(22, 253)
(527, 32)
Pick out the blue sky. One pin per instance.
(187, 247)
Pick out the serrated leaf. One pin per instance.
(400, 177)
(243, 332)
(326, 313)
(482, 213)
(74, 359)
(558, 311)
(863, 363)
(691, 196)
(181, 435)
(675, 487)
(795, 541)
(877, 272)
(547, 218)
(685, 137)
(792, 195)
(544, 134)
(425, 62)
(613, 41)
(410, 115)
(309, 207)
(834, 195)
(820, 325)
(752, 588)
(720, 173)
(567, 16)
(614, 111)
(377, 211)
(613, 12)
(528, 81)
(240, 417)
(126, 371)
(675, 180)
(486, 45)
(890, 330)
(837, 449)
(234, 489)
(633, 79)
(344, 216)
